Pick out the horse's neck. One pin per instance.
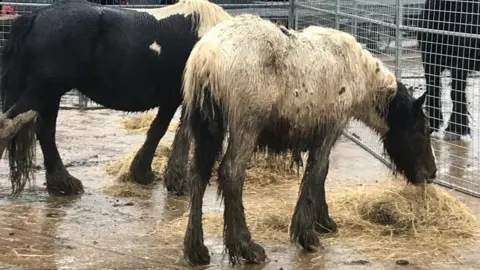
(368, 114)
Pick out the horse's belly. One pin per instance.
(135, 88)
(124, 98)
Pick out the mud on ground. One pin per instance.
(96, 231)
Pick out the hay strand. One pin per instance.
(127, 189)
(120, 170)
(262, 170)
(141, 122)
(387, 221)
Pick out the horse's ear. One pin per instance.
(418, 103)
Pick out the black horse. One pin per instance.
(122, 59)
(442, 51)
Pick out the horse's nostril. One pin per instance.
(433, 175)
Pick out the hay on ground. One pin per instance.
(262, 170)
(265, 169)
(127, 189)
(388, 221)
(120, 167)
(120, 170)
(142, 121)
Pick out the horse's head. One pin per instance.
(407, 140)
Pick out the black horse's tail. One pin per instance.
(14, 65)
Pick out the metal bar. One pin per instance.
(434, 31)
(225, 6)
(291, 14)
(457, 188)
(265, 5)
(390, 165)
(26, 4)
(364, 147)
(398, 41)
(337, 13)
(355, 21)
(402, 27)
(296, 21)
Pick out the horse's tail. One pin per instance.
(21, 149)
(199, 78)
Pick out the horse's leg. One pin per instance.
(174, 175)
(59, 180)
(207, 146)
(458, 122)
(231, 175)
(434, 90)
(432, 72)
(141, 167)
(311, 211)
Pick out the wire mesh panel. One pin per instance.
(277, 11)
(445, 64)
(430, 46)
(447, 69)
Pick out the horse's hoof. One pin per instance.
(254, 253)
(175, 185)
(77, 186)
(197, 255)
(177, 191)
(326, 225)
(144, 178)
(66, 185)
(309, 240)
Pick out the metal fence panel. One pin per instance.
(376, 25)
(277, 11)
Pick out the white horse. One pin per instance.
(251, 75)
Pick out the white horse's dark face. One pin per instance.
(407, 141)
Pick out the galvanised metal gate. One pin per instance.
(388, 29)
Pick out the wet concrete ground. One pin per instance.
(96, 231)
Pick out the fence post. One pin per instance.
(398, 45)
(291, 15)
(355, 21)
(337, 11)
(296, 20)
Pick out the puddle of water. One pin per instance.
(96, 231)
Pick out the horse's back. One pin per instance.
(106, 51)
(62, 37)
(288, 75)
(140, 53)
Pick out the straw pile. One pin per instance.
(388, 221)
(120, 168)
(142, 121)
(262, 170)
(127, 189)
